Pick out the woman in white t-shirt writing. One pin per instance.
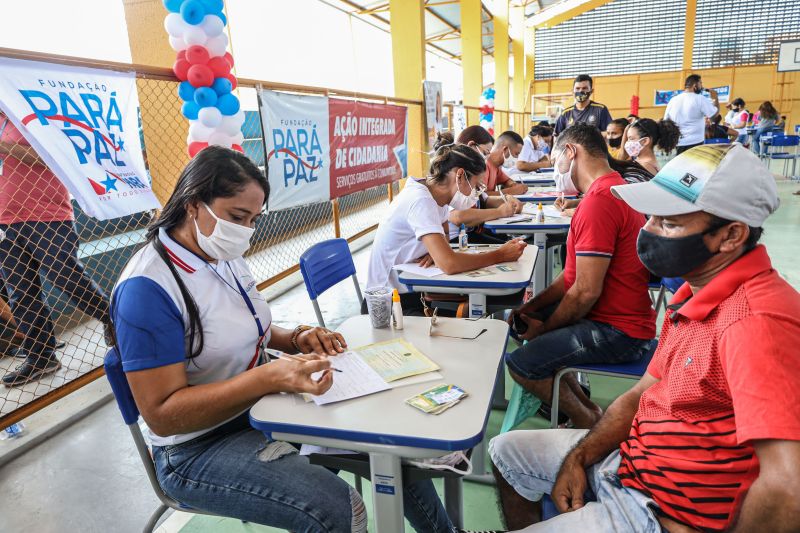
(191, 327)
(416, 228)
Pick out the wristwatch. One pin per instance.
(296, 333)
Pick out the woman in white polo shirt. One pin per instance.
(416, 228)
(191, 326)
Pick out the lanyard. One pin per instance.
(3, 128)
(246, 298)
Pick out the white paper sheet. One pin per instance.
(356, 379)
(414, 268)
(553, 211)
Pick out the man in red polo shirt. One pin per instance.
(709, 439)
(598, 309)
(37, 235)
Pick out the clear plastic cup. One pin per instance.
(379, 306)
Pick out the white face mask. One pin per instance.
(633, 148)
(461, 201)
(564, 181)
(510, 162)
(228, 241)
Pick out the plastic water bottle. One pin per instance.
(13, 431)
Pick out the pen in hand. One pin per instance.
(276, 354)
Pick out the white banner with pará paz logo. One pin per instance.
(83, 124)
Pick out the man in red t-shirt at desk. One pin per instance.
(709, 439)
(36, 223)
(598, 309)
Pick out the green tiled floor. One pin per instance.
(782, 237)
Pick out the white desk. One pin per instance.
(543, 269)
(536, 178)
(497, 284)
(545, 195)
(381, 424)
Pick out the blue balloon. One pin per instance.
(190, 110)
(192, 11)
(223, 17)
(205, 97)
(228, 104)
(186, 91)
(489, 117)
(212, 6)
(173, 6)
(222, 86)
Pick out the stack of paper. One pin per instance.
(417, 270)
(437, 399)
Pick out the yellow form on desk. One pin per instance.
(395, 359)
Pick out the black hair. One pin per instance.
(475, 134)
(621, 122)
(543, 123)
(510, 135)
(738, 101)
(215, 172)
(584, 77)
(541, 131)
(450, 155)
(716, 223)
(590, 138)
(665, 134)
(692, 79)
(631, 115)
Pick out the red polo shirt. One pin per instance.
(727, 363)
(29, 192)
(495, 176)
(605, 226)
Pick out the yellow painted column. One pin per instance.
(530, 64)
(500, 9)
(408, 57)
(471, 56)
(688, 36)
(518, 79)
(165, 129)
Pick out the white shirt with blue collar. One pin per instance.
(151, 320)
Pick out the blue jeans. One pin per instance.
(757, 139)
(530, 460)
(584, 342)
(235, 471)
(50, 247)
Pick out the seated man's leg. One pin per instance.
(526, 464)
(534, 364)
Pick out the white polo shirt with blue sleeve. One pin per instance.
(151, 320)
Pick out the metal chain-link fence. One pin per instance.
(58, 274)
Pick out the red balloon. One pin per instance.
(229, 57)
(200, 76)
(233, 81)
(237, 147)
(182, 55)
(219, 66)
(197, 55)
(195, 147)
(181, 69)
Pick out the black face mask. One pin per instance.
(615, 143)
(673, 257)
(697, 90)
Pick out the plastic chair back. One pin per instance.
(324, 265)
(785, 140)
(716, 141)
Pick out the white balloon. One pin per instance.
(177, 43)
(175, 25)
(198, 132)
(217, 46)
(194, 35)
(212, 25)
(231, 125)
(210, 117)
(220, 139)
(238, 138)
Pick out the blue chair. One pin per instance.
(717, 141)
(324, 265)
(130, 414)
(790, 143)
(633, 370)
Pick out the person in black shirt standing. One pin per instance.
(585, 110)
